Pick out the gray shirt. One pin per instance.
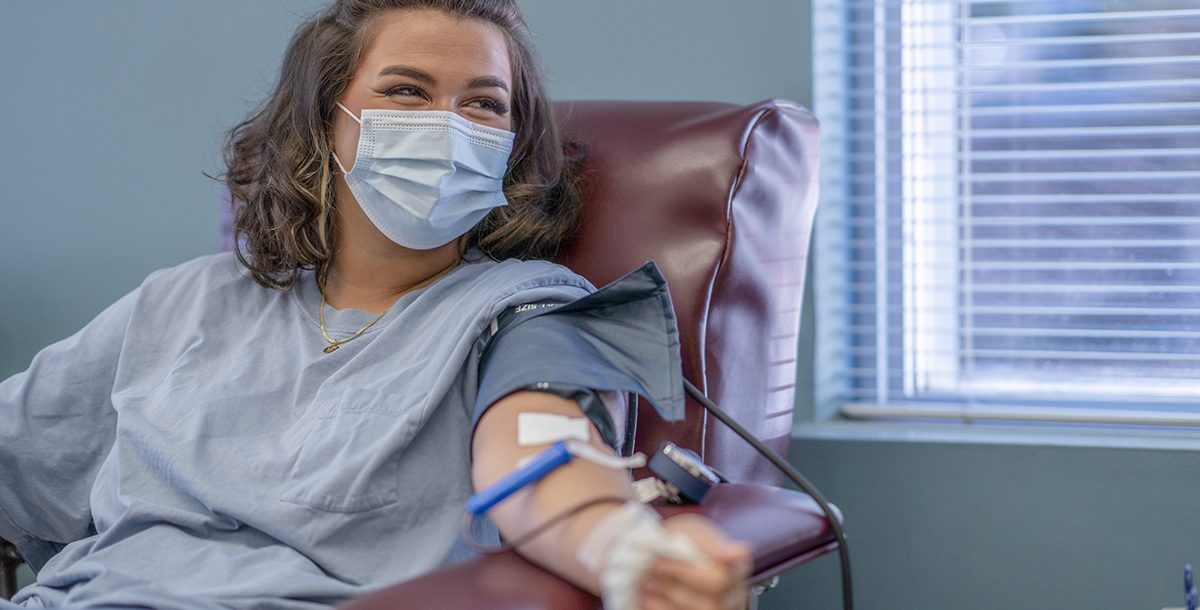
(193, 446)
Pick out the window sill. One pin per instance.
(1053, 435)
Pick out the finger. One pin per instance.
(651, 597)
(742, 567)
(655, 594)
(677, 596)
(694, 589)
(652, 601)
(708, 578)
(710, 539)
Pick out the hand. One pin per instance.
(674, 584)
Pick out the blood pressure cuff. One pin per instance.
(622, 337)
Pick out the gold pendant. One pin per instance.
(331, 348)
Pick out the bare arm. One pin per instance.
(672, 583)
(496, 455)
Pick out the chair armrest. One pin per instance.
(9, 560)
(785, 528)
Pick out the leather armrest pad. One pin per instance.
(784, 527)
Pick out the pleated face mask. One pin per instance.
(426, 177)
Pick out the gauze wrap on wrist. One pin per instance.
(623, 545)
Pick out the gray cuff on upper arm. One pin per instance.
(621, 338)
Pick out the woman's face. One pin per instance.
(428, 60)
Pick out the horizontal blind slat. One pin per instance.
(1049, 64)
(1018, 20)
(1025, 221)
(986, 287)
(1123, 16)
(1062, 310)
(1049, 198)
(1051, 41)
(1027, 331)
(1043, 176)
(1060, 154)
(1107, 131)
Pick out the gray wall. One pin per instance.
(725, 50)
(942, 523)
(111, 112)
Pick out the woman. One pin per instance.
(301, 422)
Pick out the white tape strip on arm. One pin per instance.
(545, 428)
(596, 456)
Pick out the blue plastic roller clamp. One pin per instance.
(542, 465)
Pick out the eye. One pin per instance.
(405, 90)
(490, 104)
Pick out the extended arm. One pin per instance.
(670, 583)
(496, 454)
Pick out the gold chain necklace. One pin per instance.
(334, 344)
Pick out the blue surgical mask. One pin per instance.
(426, 177)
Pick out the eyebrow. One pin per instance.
(480, 82)
(427, 78)
(410, 72)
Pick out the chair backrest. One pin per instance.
(722, 198)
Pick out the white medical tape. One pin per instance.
(596, 456)
(623, 545)
(594, 550)
(646, 490)
(632, 556)
(546, 428)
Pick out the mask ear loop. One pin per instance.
(347, 111)
(335, 157)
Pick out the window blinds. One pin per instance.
(1010, 219)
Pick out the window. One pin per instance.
(1010, 220)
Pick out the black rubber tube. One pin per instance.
(796, 477)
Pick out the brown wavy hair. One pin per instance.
(278, 161)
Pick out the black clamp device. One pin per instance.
(683, 473)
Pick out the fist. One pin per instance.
(717, 582)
